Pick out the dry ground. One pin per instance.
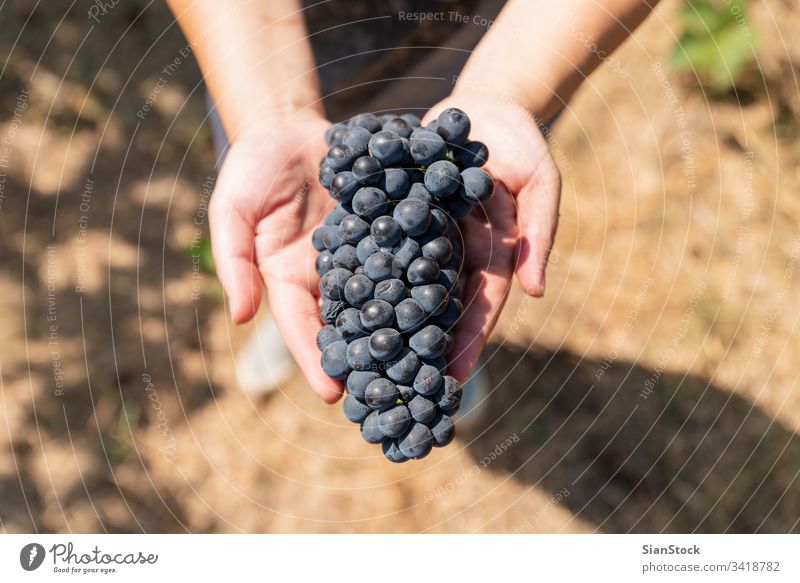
(654, 388)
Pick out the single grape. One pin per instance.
(334, 134)
(370, 430)
(326, 174)
(448, 398)
(448, 278)
(392, 452)
(339, 212)
(394, 422)
(340, 157)
(357, 138)
(382, 265)
(407, 392)
(389, 290)
(334, 360)
(385, 231)
(451, 314)
(384, 343)
(344, 186)
(423, 270)
(358, 380)
(476, 187)
(381, 394)
(367, 121)
(443, 430)
(358, 290)
(331, 285)
(418, 191)
(427, 147)
(377, 314)
(404, 367)
(353, 228)
(413, 216)
(395, 183)
(440, 248)
(317, 238)
(358, 356)
(327, 335)
(330, 310)
(366, 247)
(409, 315)
(422, 410)
(442, 178)
(398, 126)
(367, 170)
(432, 297)
(454, 126)
(428, 380)
(440, 224)
(429, 342)
(370, 203)
(409, 250)
(473, 154)
(324, 262)
(386, 147)
(411, 119)
(355, 410)
(348, 325)
(417, 443)
(346, 257)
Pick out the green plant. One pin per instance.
(716, 42)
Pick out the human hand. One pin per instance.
(514, 231)
(266, 203)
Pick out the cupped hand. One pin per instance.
(513, 232)
(266, 204)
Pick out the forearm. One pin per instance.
(255, 58)
(537, 53)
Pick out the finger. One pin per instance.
(296, 312)
(537, 218)
(233, 248)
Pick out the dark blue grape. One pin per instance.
(334, 360)
(448, 278)
(367, 121)
(370, 202)
(355, 410)
(404, 367)
(442, 178)
(448, 398)
(384, 343)
(476, 187)
(353, 228)
(324, 262)
(367, 170)
(418, 191)
(422, 410)
(358, 290)
(317, 238)
(409, 315)
(339, 212)
(395, 183)
(358, 355)
(427, 147)
(389, 290)
(428, 380)
(440, 224)
(358, 380)
(344, 186)
(413, 216)
(432, 297)
(326, 174)
(348, 325)
(453, 125)
(439, 364)
(335, 133)
(429, 342)
(366, 247)
(386, 147)
(473, 154)
(382, 265)
(328, 237)
(457, 206)
(411, 119)
(395, 421)
(377, 314)
(417, 443)
(443, 431)
(392, 452)
(398, 126)
(370, 430)
(340, 157)
(451, 314)
(330, 310)
(385, 231)
(407, 392)
(409, 250)
(423, 270)
(440, 248)
(381, 394)
(327, 335)
(331, 285)
(357, 138)
(346, 257)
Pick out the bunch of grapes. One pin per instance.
(389, 259)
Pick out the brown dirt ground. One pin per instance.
(683, 284)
